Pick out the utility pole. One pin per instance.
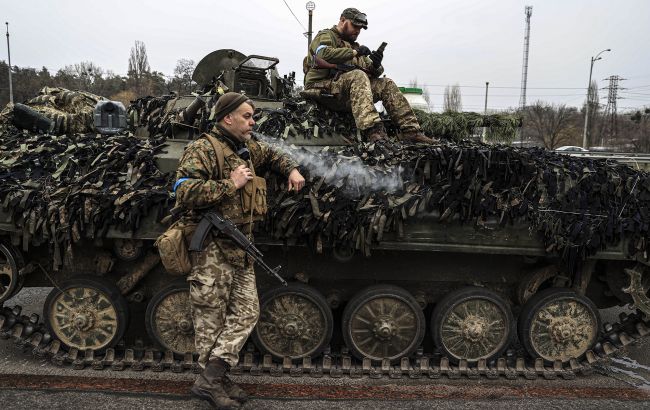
(487, 84)
(524, 69)
(610, 118)
(11, 91)
(591, 69)
(310, 6)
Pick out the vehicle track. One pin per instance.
(30, 332)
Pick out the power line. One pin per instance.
(294, 16)
(483, 86)
(516, 95)
(634, 93)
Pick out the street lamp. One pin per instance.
(591, 69)
(11, 91)
(310, 6)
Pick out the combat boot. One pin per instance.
(416, 136)
(375, 133)
(210, 385)
(234, 391)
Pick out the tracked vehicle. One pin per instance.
(428, 294)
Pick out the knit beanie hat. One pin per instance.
(228, 103)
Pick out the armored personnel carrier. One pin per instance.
(453, 258)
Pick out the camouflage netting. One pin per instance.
(64, 189)
(303, 118)
(306, 119)
(459, 125)
(577, 205)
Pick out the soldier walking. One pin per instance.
(357, 90)
(223, 292)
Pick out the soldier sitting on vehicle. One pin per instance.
(337, 65)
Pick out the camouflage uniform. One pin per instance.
(356, 90)
(223, 293)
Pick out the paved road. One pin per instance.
(27, 382)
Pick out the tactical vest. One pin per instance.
(249, 204)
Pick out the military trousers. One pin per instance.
(223, 297)
(355, 91)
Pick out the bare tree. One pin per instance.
(635, 131)
(550, 124)
(81, 76)
(139, 66)
(182, 82)
(452, 99)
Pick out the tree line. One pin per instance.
(554, 125)
(545, 124)
(139, 81)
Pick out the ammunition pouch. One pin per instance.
(253, 198)
(172, 247)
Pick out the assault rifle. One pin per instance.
(212, 220)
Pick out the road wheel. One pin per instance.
(558, 324)
(383, 322)
(472, 323)
(295, 321)
(168, 318)
(87, 312)
(10, 280)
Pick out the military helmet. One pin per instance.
(356, 17)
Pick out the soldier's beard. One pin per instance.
(350, 38)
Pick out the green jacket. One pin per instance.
(329, 46)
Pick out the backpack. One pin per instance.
(172, 244)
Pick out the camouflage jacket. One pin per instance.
(329, 46)
(202, 188)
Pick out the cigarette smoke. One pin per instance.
(348, 173)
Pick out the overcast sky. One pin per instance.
(437, 42)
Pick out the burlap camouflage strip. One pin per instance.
(62, 189)
(305, 119)
(578, 205)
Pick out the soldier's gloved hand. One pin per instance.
(241, 175)
(363, 51)
(296, 180)
(376, 57)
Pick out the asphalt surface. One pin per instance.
(27, 382)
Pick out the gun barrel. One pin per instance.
(190, 111)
